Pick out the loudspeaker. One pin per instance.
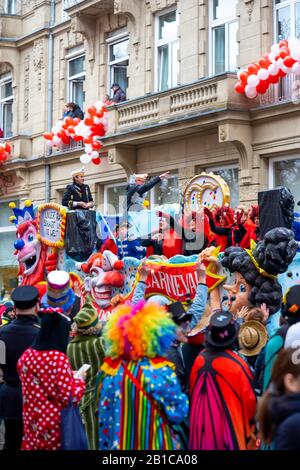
(276, 209)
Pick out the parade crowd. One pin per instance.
(213, 373)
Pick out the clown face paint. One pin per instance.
(238, 294)
(98, 284)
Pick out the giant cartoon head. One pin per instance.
(30, 253)
(103, 275)
(256, 270)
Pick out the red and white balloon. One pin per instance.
(283, 59)
(89, 131)
(5, 151)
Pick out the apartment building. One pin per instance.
(177, 62)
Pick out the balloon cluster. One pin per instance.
(5, 150)
(88, 130)
(283, 59)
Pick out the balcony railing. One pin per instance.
(87, 6)
(287, 90)
(207, 94)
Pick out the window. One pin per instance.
(223, 29)
(285, 171)
(166, 192)
(230, 174)
(10, 7)
(114, 198)
(6, 102)
(167, 46)
(118, 60)
(76, 77)
(287, 18)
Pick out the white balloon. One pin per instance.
(275, 49)
(56, 139)
(273, 69)
(263, 74)
(59, 124)
(295, 53)
(296, 68)
(85, 159)
(250, 92)
(94, 154)
(54, 130)
(293, 43)
(272, 57)
(253, 81)
(88, 148)
(97, 120)
(99, 105)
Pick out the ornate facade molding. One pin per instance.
(249, 7)
(157, 5)
(86, 26)
(38, 60)
(26, 86)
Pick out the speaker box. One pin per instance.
(276, 209)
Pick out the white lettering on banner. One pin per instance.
(172, 285)
(50, 225)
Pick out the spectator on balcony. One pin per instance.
(73, 110)
(78, 195)
(119, 95)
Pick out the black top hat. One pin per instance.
(222, 330)
(291, 302)
(178, 312)
(25, 297)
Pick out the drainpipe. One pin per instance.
(50, 95)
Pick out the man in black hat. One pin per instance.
(119, 95)
(15, 338)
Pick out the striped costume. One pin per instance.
(84, 349)
(137, 402)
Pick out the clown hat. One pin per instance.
(59, 294)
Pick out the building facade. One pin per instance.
(177, 62)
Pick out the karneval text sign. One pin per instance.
(52, 224)
(177, 281)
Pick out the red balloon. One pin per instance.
(76, 121)
(92, 110)
(77, 138)
(239, 87)
(88, 140)
(7, 147)
(252, 69)
(243, 78)
(96, 145)
(89, 121)
(274, 78)
(48, 135)
(283, 43)
(281, 74)
(99, 114)
(71, 130)
(96, 161)
(263, 63)
(288, 61)
(68, 121)
(261, 87)
(284, 52)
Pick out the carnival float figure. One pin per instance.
(33, 255)
(103, 274)
(256, 270)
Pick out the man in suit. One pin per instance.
(78, 195)
(15, 338)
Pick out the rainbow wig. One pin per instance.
(136, 331)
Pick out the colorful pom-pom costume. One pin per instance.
(138, 393)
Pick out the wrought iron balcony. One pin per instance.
(286, 91)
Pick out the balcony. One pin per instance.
(286, 91)
(89, 7)
(206, 95)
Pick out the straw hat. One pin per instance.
(253, 337)
(81, 171)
